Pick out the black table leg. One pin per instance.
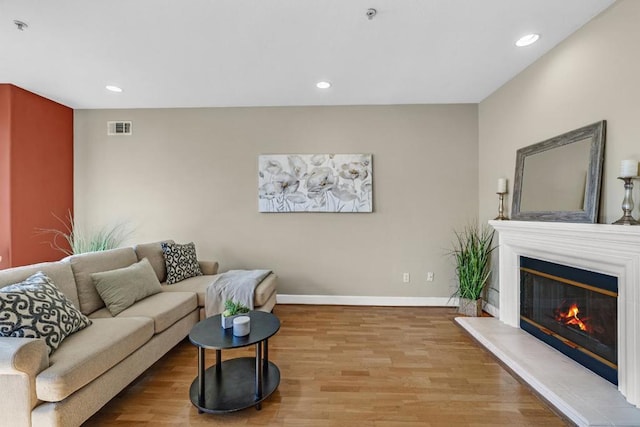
(265, 359)
(218, 362)
(201, 374)
(259, 374)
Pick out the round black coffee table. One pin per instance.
(239, 383)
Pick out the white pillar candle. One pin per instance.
(241, 326)
(628, 168)
(502, 185)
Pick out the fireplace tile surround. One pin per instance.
(603, 248)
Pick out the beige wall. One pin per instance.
(593, 75)
(191, 174)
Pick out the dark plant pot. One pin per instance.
(471, 308)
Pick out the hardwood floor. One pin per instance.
(349, 366)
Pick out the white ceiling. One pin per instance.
(209, 53)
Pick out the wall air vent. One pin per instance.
(119, 128)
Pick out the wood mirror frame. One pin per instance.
(581, 182)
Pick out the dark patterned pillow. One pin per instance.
(35, 308)
(181, 261)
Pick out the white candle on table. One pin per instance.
(241, 326)
(628, 168)
(502, 185)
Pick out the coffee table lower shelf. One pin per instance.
(234, 388)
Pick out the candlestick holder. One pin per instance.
(627, 203)
(501, 216)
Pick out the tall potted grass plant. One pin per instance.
(75, 240)
(472, 252)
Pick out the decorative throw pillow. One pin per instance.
(181, 261)
(35, 308)
(122, 287)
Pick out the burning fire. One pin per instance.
(570, 317)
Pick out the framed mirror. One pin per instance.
(559, 179)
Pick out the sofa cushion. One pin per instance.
(181, 261)
(198, 285)
(92, 262)
(59, 272)
(164, 309)
(121, 288)
(90, 353)
(35, 308)
(153, 252)
(264, 290)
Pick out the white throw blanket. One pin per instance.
(236, 285)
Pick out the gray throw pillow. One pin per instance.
(35, 308)
(121, 288)
(181, 261)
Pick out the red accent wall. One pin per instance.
(40, 184)
(5, 194)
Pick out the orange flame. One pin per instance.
(571, 318)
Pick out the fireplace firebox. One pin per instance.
(574, 311)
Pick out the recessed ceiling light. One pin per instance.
(323, 85)
(527, 40)
(113, 88)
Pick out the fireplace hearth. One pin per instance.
(574, 311)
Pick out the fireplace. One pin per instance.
(574, 311)
(578, 393)
(612, 250)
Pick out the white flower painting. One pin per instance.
(315, 183)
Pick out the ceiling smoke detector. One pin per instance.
(371, 12)
(20, 25)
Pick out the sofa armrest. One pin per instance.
(208, 268)
(21, 360)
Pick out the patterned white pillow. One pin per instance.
(181, 261)
(35, 308)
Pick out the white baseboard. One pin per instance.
(367, 300)
(492, 310)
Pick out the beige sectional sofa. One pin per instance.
(94, 364)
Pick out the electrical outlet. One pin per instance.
(430, 276)
(406, 278)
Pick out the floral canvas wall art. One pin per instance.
(315, 183)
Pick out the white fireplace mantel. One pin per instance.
(603, 248)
